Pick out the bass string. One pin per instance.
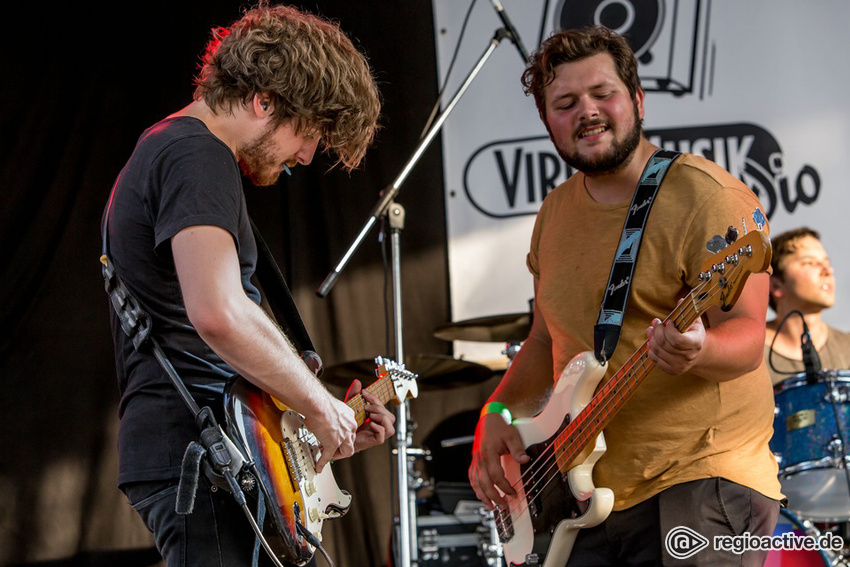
(686, 311)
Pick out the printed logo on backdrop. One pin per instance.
(510, 178)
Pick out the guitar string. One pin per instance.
(677, 315)
(628, 369)
(636, 362)
(545, 474)
(641, 360)
(381, 388)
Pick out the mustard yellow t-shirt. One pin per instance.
(675, 428)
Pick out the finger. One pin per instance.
(370, 397)
(355, 388)
(498, 478)
(488, 487)
(379, 433)
(383, 423)
(324, 459)
(516, 448)
(478, 483)
(375, 410)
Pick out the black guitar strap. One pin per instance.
(606, 333)
(281, 303)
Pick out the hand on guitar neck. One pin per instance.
(376, 423)
(359, 423)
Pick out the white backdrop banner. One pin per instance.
(756, 85)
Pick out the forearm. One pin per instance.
(528, 382)
(252, 344)
(731, 349)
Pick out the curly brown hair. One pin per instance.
(566, 46)
(312, 72)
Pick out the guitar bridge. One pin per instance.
(504, 524)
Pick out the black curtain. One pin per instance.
(81, 82)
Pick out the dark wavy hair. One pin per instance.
(312, 72)
(566, 46)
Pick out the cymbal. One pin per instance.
(492, 329)
(436, 372)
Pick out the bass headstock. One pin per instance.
(723, 275)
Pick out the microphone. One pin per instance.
(811, 360)
(500, 10)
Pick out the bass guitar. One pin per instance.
(565, 440)
(282, 455)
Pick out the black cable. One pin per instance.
(770, 351)
(436, 108)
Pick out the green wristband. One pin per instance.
(499, 408)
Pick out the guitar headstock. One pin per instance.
(729, 269)
(403, 381)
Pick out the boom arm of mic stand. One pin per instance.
(389, 194)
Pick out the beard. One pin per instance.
(257, 163)
(611, 160)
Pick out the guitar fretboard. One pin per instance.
(587, 425)
(382, 388)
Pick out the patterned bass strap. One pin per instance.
(606, 332)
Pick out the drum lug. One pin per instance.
(837, 394)
(836, 447)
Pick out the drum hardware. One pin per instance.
(507, 328)
(837, 394)
(837, 448)
(811, 446)
(511, 350)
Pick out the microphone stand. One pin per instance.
(407, 554)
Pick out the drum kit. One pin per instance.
(451, 525)
(810, 429)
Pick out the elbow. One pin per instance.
(214, 323)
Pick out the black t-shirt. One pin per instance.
(179, 175)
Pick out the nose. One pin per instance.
(587, 108)
(307, 150)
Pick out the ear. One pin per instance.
(776, 288)
(639, 95)
(261, 105)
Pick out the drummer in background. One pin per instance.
(802, 280)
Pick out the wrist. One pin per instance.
(497, 408)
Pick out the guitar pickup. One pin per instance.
(292, 463)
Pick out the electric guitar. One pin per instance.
(283, 454)
(557, 480)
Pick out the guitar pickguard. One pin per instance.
(550, 499)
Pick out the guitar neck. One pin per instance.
(382, 388)
(596, 415)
